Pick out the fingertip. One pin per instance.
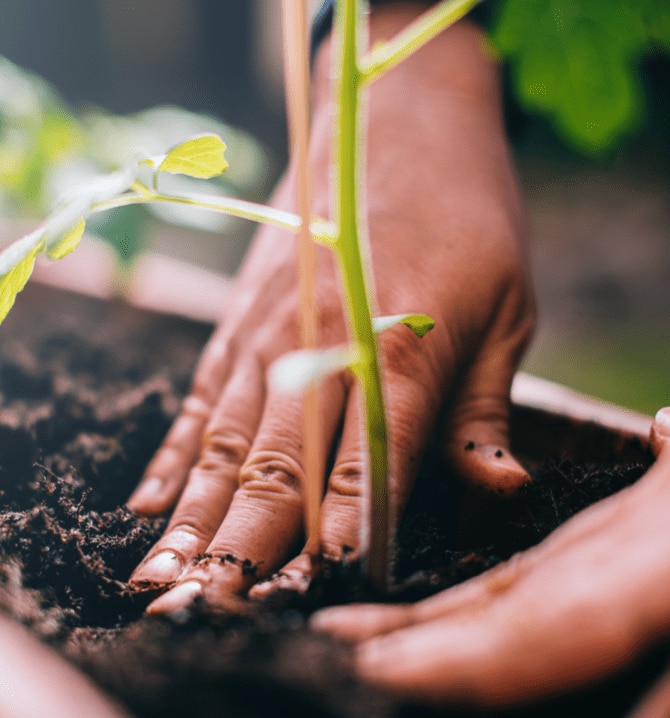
(660, 431)
(150, 497)
(489, 466)
(372, 659)
(360, 622)
(162, 569)
(176, 600)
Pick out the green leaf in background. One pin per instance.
(200, 157)
(656, 19)
(124, 229)
(577, 61)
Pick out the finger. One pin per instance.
(295, 576)
(166, 474)
(212, 481)
(359, 622)
(363, 621)
(265, 517)
(477, 438)
(412, 405)
(571, 612)
(354, 622)
(660, 432)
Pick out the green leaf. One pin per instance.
(68, 242)
(420, 324)
(577, 61)
(200, 157)
(295, 371)
(15, 280)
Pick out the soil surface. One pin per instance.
(87, 391)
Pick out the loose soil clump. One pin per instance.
(87, 391)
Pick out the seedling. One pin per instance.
(345, 233)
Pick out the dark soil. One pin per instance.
(87, 391)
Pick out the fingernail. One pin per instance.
(164, 567)
(297, 581)
(177, 599)
(148, 490)
(662, 422)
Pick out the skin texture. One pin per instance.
(36, 682)
(446, 231)
(580, 605)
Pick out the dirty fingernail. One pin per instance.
(292, 580)
(164, 567)
(180, 597)
(148, 491)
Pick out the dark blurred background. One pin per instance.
(588, 110)
(215, 56)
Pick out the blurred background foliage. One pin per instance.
(587, 92)
(580, 63)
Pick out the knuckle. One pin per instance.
(490, 411)
(346, 479)
(188, 531)
(402, 351)
(272, 472)
(223, 447)
(195, 405)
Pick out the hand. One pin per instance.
(445, 226)
(581, 604)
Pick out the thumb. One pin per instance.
(659, 438)
(477, 429)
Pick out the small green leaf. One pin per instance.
(200, 157)
(68, 242)
(295, 371)
(15, 280)
(420, 324)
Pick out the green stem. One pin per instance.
(355, 284)
(431, 23)
(321, 230)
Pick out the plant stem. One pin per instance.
(348, 217)
(296, 74)
(322, 231)
(387, 55)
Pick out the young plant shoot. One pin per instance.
(203, 157)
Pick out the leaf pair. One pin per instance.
(200, 157)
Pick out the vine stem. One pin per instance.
(431, 23)
(296, 82)
(321, 230)
(349, 221)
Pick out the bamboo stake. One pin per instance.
(296, 81)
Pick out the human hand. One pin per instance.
(445, 226)
(578, 606)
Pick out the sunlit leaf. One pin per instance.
(68, 242)
(420, 324)
(200, 157)
(15, 280)
(295, 371)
